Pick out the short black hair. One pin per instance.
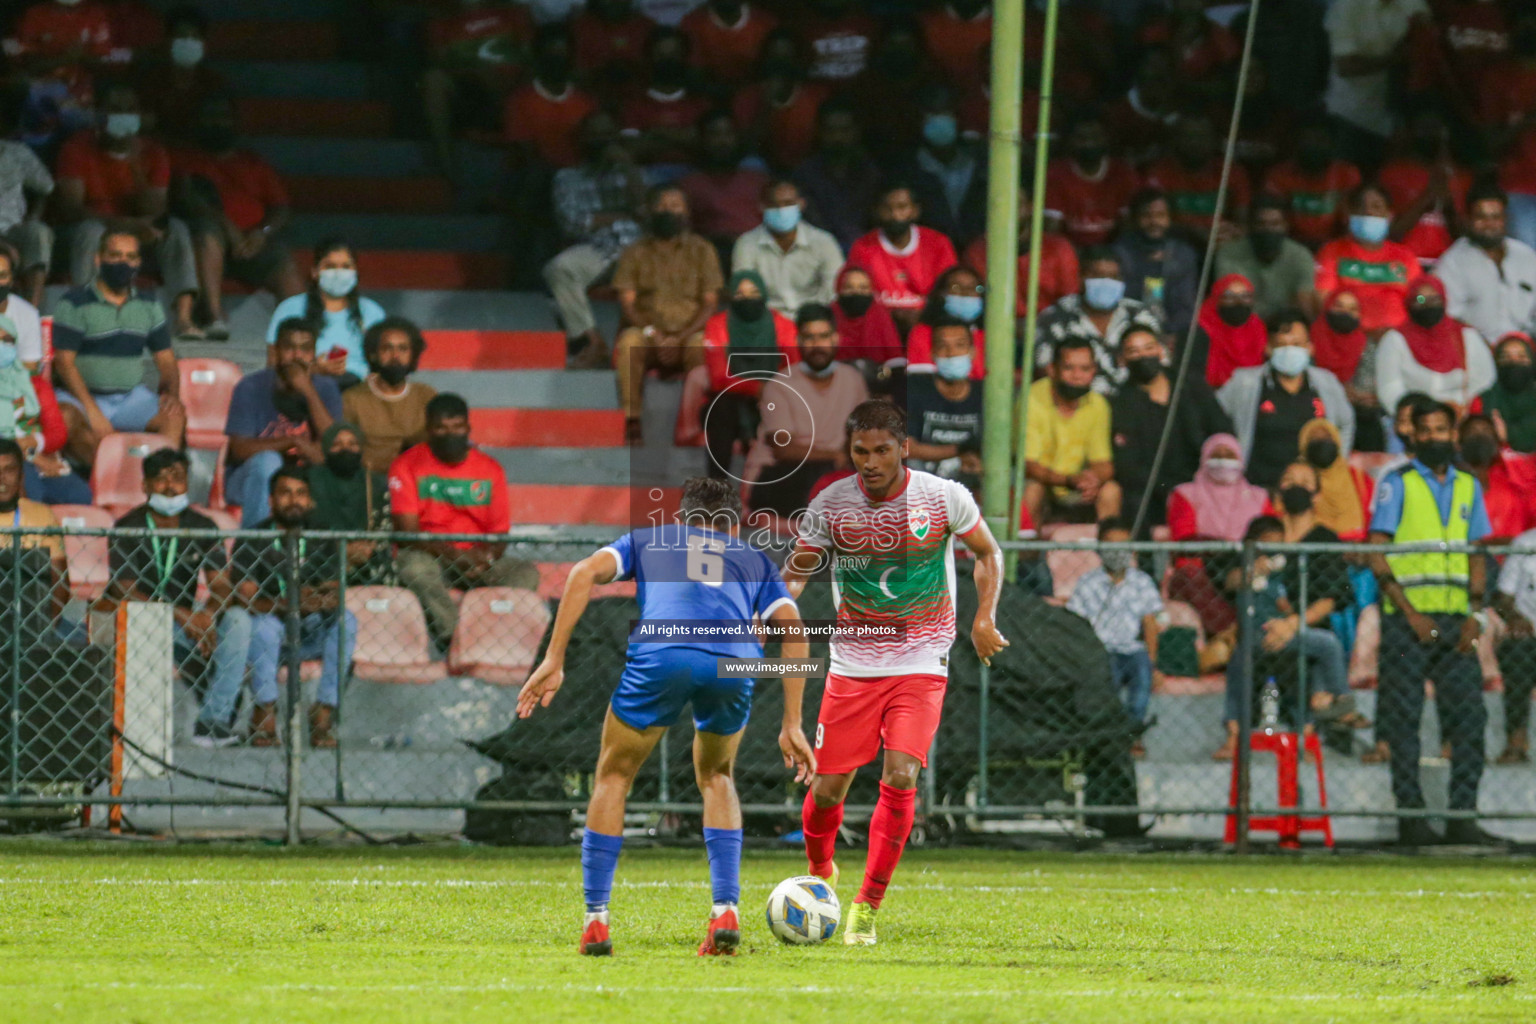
(812, 312)
(9, 447)
(1432, 407)
(1097, 253)
(158, 462)
(896, 185)
(707, 499)
(878, 414)
(944, 321)
(1365, 187)
(655, 192)
(295, 324)
(1110, 524)
(1480, 418)
(1071, 343)
(118, 229)
(1284, 319)
(1484, 191)
(375, 334)
(1412, 398)
(1144, 198)
(1262, 525)
(446, 406)
(777, 183)
(287, 472)
(1268, 201)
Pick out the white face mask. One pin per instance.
(338, 282)
(1290, 360)
(169, 504)
(1224, 471)
(123, 126)
(187, 52)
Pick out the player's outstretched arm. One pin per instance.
(989, 578)
(797, 750)
(803, 563)
(541, 687)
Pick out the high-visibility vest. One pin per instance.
(1435, 581)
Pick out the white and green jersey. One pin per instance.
(893, 568)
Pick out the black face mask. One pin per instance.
(895, 226)
(1479, 450)
(749, 309)
(1515, 377)
(1407, 442)
(970, 481)
(450, 448)
(553, 70)
(1266, 244)
(1322, 452)
(855, 305)
(344, 464)
(666, 225)
(117, 275)
(1235, 316)
(1435, 454)
(392, 374)
(669, 74)
(1071, 392)
(216, 138)
(1144, 369)
(1343, 323)
(1089, 157)
(1426, 316)
(1295, 499)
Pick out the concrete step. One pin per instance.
(466, 309)
(311, 116)
(299, 79)
(273, 40)
(423, 194)
(456, 233)
(494, 350)
(552, 430)
(350, 157)
(529, 389)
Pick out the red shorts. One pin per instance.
(859, 716)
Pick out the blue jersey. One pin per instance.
(698, 589)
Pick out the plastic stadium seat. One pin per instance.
(498, 635)
(689, 431)
(1067, 566)
(117, 481)
(206, 387)
(552, 577)
(392, 641)
(1363, 659)
(89, 565)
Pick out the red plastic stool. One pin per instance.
(1289, 826)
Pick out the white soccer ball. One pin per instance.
(803, 910)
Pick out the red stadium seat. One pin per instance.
(89, 565)
(392, 641)
(689, 430)
(498, 635)
(117, 481)
(206, 387)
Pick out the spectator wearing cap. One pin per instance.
(1059, 275)
(35, 423)
(446, 486)
(797, 261)
(839, 181)
(25, 185)
(1314, 185)
(1490, 278)
(724, 190)
(1511, 401)
(1087, 188)
(387, 405)
(1432, 353)
(903, 259)
(947, 172)
(669, 285)
(1100, 315)
(101, 332)
(1281, 270)
(1191, 175)
(1369, 263)
(164, 567)
(1161, 270)
(1069, 463)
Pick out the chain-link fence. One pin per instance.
(213, 681)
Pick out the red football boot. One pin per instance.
(724, 934)
(595, 940)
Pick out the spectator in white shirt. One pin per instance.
(798, 261)
(1432, 353)
(1490, 278)
(1368, 39)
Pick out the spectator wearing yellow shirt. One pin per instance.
(1067, 457)
(23, 513)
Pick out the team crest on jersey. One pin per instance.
(920, 522)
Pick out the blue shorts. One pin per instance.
(129, 411)
(658, 683)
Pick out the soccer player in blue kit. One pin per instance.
(697, 577)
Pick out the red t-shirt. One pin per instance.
(1378, 277)
(1508, 92)
(1317, 201)
(788, 130)
(248, 186)
(1137, 136)
(1192, 194)
(956, 44)
(839, 48)
(111, 180)
(724, 205)
(1090, 209)
(546, 122)
(648, 110)
(717, 344)
(1059, 273)
(903, 279)
(468, 498)
(1475, 36)
(49, 30)
(600, 45)
(1405, 181)
(1511, 495)
(1517, 172)
(727, 53)
(1213, 50)
(473, 34)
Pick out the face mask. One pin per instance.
(970, 481)
(895, 226)
(1407, 442)
(1235, 315)
(1322, 452)
(1224, 471)
(1479, 450)
(821, 374)
(1290, 360)
(1071, 392)
(855, 306)
(669, 73)
(782, 219)
(169, 504)
(963, 307)
(117, 275)
(450, 448)
(1089, 157)
(749, 310)
(186, 52)
(1370, 230)
(940, 130)
(344, 464)
(1426, 316)
(666, 225)
(1117, 563)
(1266, 244)
(953, 367)
(1103, 293)
(123, 126)
(338, 282)
(1144, 369)
(1516, 376)
(216, 138)
(1435, 454)
(393, 374)
(7, 354)
(1343, 323)
(1295, 499)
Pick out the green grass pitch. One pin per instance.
(175, 935)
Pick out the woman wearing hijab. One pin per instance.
(1432, 353)
(865, 329)
(1341, 346)
(1343, 492)
(956, 294)
(1511, 402)
(743, 346)
(32, 420)
(1229, 336)
(347, 496)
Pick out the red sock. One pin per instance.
(820, 825)
(888, 830)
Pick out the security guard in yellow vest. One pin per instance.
(1432, 614)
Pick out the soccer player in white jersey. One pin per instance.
(886, 531)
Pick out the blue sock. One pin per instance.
(724, 848)
(599, 860)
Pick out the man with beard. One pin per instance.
(1490, 279)
(445, 486)
(275, 414)
(390, 408)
